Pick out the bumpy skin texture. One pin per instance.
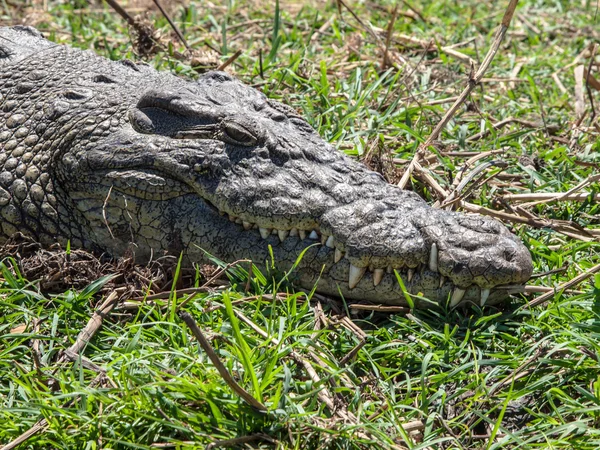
(115, 156)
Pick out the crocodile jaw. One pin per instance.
(116, 156)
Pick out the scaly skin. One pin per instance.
(115, 156)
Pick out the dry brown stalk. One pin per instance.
(368, 29)
(564, 195)
(122, 12)
(214, 358)
(175, 28)
(206, 287)
(531, 289)
(94, 324)
(352, 353)
(231, 59)
(503, 80)
(323, 394)
(379, 308)
(430, 46)
(591, 81)
(385, 63)
(559, 83)
(509, 120)
(473, 81)
(528, 24)
(566, 228)
(547, 197)
(73, 353)
(563, 287)
(414, 10)
(579, 98)
(588, 76)
(460, 182)
(40, 425)
(238, 441)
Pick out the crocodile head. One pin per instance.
(216, 167)
(137, 160)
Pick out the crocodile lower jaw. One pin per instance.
(356, 274)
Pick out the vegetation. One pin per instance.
(523, 375)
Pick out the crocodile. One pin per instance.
(118, 158)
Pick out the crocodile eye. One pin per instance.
(238, 135)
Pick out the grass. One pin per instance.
(509, 377)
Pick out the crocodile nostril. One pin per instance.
(276, 116)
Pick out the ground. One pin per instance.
(374, 80)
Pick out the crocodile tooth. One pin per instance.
(232, 218)
(323, 239)
(274, 231)
(282, 234)
(389, 269)
(338, 255)
(378, 276)
(433, 258)
(313, 235)
(485, 293)
(302, 234)
(294, 232)
(411, 274)
(264, 232)
(356, 273)
(457, 296)
(442, 280)
(239, 221)
(247, 225)
(330, 242)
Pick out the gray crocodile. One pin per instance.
(118, 158)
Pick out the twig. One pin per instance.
(385, 63)
(548, 197)
(456, 194)
(567, 229)
(167, 294)
(191, 323)
(589, 180)
(379, 308)
(417, 12)
(323, 394)
(587, 81)
(472, 83)
(120, 11)
(591, 81)
(509, 120)
(72, 352)
(37, 427)
(175, 28)
(238, 441)
(579, 99)
(204, 288)
(368, 29)
(352, 353)
(429, 46)
(574, 281)
(231, 59)
(93, 324)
